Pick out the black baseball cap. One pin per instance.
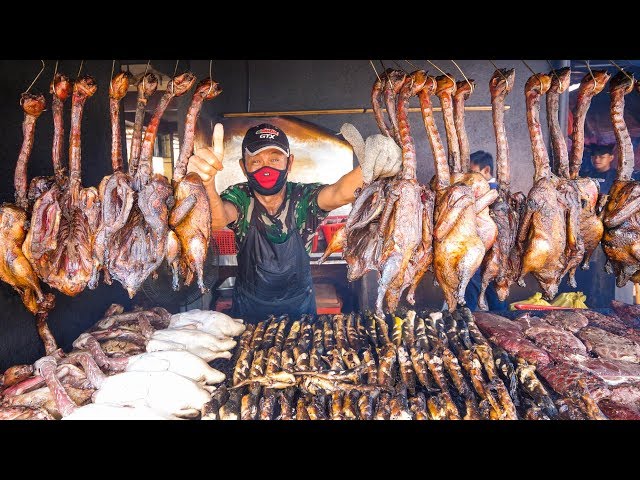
(264, 136)
(599, 149)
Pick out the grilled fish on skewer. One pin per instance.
(231, 409)
(277, 380)
(387, 359)
(336, 405)
(399, 405)
(436, 407)
(316, 407)
(396, 334)
(418, 405)
(528, 379)
(383, 409)
(350, 405)
(329, 336)
(406, 370)
(258, 334)
(267, 405)
(421, 370)
(249, 406)
(408, 329)
(474, 369)
(211, 409)
(371, 329)
(352, 333)
(370, 365)
(383, 330)
(315, 358)
(270, 334)
(366, 402)
(340, 333)
(301, 410)
(285, 400)
(508, 373)
(434, 363)
(362, 330)
(292, 336)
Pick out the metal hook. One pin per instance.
(80, 69)
(37, 76)
(500, 72)
(144, 75)
(595, 82)
(412, 64)
(438, 68)
(536, 75)
(173, 86)
(384, 69)
(553, 72)
(374, 69)
(113, 66)
(626, 74)
(210, 79)
(55, 71)
(465, 77)
(400, 67)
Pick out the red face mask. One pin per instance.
(267, 180)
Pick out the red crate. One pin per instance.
(225, 241)
(338, 220)
(329, 230)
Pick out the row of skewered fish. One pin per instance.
(457, 224)
(344, 367)
(65, 235)
(144, 364)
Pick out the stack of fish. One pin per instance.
(345, 367)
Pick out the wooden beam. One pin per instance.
(342, 111)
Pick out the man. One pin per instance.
(600, 168)
(274, 220)
(482, 163)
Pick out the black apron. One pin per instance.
(273, 278)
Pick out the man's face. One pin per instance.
(602, 163)
(485, 172)
(271, 157)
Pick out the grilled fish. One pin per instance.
(350, 405)
(383, 409)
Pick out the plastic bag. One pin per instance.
(570, 300)
(536, 299)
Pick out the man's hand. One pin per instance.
(379, 156)
(208, 160)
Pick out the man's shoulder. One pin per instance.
(237, 194)
(305, 186)
(242, 187)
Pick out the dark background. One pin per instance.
(256, 85)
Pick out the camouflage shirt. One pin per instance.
(303, 197)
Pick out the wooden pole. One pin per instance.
(341, 111)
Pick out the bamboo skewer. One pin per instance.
(342, 111)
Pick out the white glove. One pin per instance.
(379, 156)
